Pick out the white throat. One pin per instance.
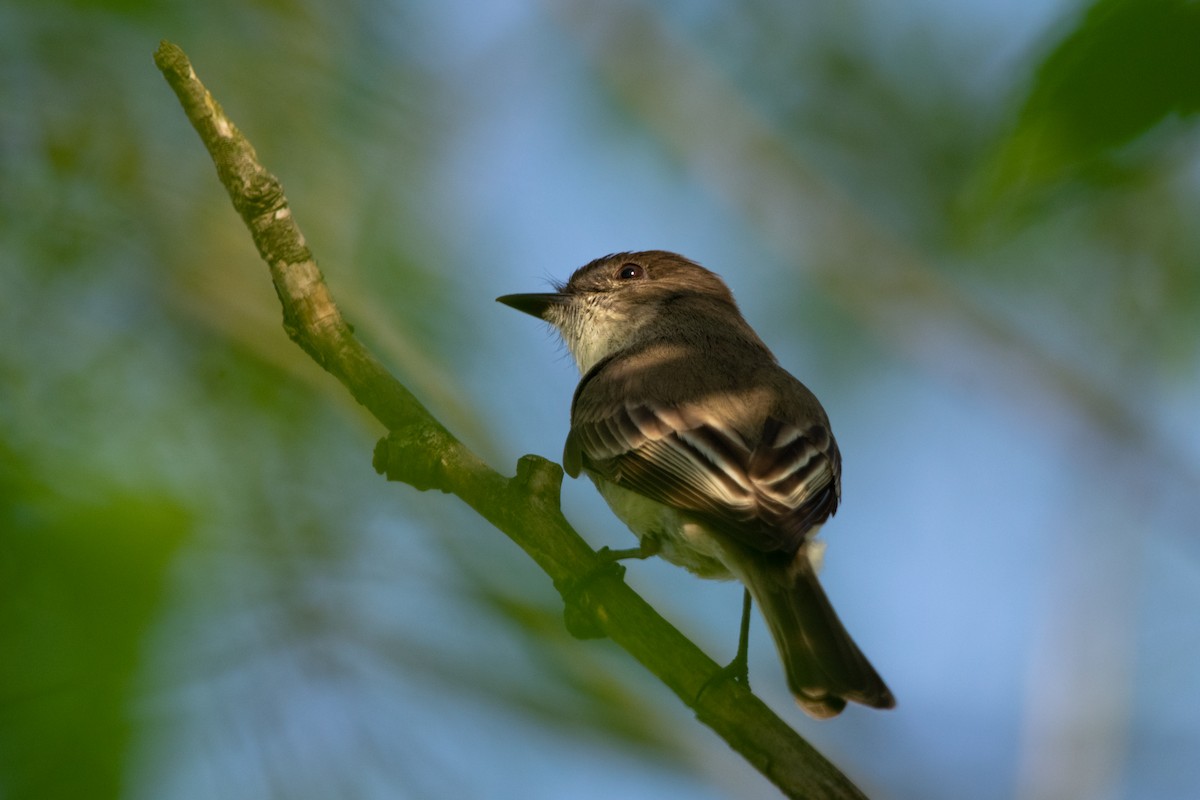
(593, 329)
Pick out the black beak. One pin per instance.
(533, 304)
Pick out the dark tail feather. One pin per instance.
(824, 666)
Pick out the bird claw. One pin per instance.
(578, 614)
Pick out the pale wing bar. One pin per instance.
(689, 459)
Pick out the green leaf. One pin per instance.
(1129, 65)
(80, 584)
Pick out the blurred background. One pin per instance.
(971, 229)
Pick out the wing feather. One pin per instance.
(767, 493)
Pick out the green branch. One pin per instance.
(420, 451)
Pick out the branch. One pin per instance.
(421, 452)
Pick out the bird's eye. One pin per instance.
(630, 272)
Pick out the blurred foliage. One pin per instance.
(186, 498)
(1093, 152)
(81, 583)
(196, 560)
(1127, 65)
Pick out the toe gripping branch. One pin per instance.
(583, 612)
(584, 617)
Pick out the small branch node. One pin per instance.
(416, 455)
(539, 479)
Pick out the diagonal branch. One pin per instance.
(421, 452)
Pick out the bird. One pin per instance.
(715, 456)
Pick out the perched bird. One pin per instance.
(714, 455)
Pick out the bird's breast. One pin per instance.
(682, 541)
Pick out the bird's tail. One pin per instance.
(824, 666)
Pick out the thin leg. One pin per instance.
(739, 668)
(610, 555)
(607, 561)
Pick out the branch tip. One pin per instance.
(169, 57)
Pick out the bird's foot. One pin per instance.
(737, 671)
(579, 612)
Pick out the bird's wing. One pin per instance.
(766, 495)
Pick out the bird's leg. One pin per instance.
(738, 669)
(647, 548)
(611, 556)
(580, 620)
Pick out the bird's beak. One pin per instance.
(535, 304)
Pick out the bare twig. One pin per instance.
(421, 452)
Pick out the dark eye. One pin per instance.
(631, 272)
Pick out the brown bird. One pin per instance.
(714, 455)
